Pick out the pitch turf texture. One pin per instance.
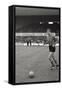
(35, 58)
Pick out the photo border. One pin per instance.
(14, 59)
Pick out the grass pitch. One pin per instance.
(35, 58)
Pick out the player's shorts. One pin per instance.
(52, 48)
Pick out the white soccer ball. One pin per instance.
(31, 74)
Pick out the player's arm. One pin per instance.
(46, 41)
(55, 40)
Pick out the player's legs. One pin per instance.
(52, 56)
(51, 59)
(54, 59)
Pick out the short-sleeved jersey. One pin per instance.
(51, 40)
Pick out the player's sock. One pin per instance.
(52, 63)
(56, 65)
(55, 61)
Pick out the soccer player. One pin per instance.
(27, 43)
(52, 48)
(30, 42)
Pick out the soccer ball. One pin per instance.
(31, 74)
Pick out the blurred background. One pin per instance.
(32, 24)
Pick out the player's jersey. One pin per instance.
(51, 40)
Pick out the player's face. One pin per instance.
(48, 31)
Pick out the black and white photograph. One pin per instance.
(37, 44)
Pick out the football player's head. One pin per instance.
(48, 31)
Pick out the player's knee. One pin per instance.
(49, 56)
